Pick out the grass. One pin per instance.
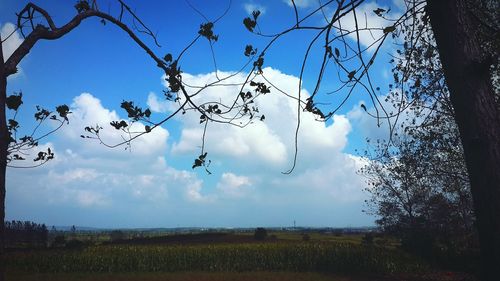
(325, 257)
(182, 276)
(279, 256)
(234, 276)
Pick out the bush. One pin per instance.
(260, 233)
(116, 235)
(59, 241)
(75, 244)
(367, 239)
(306, 237)
(418, 242)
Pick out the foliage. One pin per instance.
(75, 244)
(59, 241)
(368, 239)
(418, 180)
(116, 235)
(260, 234)
(306, 237)
(24, 143)
(25, 234)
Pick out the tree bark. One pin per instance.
(3, 157)
(466, 68)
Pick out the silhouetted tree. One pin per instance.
(463, 30)
(260, 234)
(25, 234)
(418, 180)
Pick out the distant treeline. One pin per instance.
(25, 234)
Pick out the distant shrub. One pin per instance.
(116, 235)
(59, 241)
(75, 244)
(368, 239)
(306, 237)
(260, 233)
(25, 234)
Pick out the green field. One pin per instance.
(284, 256)
(224, 276)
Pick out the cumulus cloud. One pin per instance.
(232, 185)
(250, 7)
(367, 126)
(156, 176)
(157, 105)
(366, 19)
(262, 150)
(87, 110)
(269, 143)
(12, 39)
(87, 174)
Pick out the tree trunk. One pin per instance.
(3, 157)
(466, 68)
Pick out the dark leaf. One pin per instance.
(168, 57)
(13, 124)
(197, 163)
(82, 6)
(249, 24)
(379, 11)
(258, 63)
(389, 29)
(250, 51)
(119, 125)
(351, 74)
(63, 111)
(14, 101)
(41, 114)
(18, 157)
(207, 32)
(255, 14)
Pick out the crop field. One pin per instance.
(301, 257)
(221, 257)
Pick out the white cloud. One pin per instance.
(87, 174)
(301, 3)
(366, 19)
(87, 110)
(262, 150)
(138, 186)
(367, 126)
(269, 143)
(232, 185)
(400, 4)
(157, 105)
(250, 7)
(12, 39)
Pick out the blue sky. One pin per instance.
(95, 67)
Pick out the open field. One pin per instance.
(234, 276)
(223, 256)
